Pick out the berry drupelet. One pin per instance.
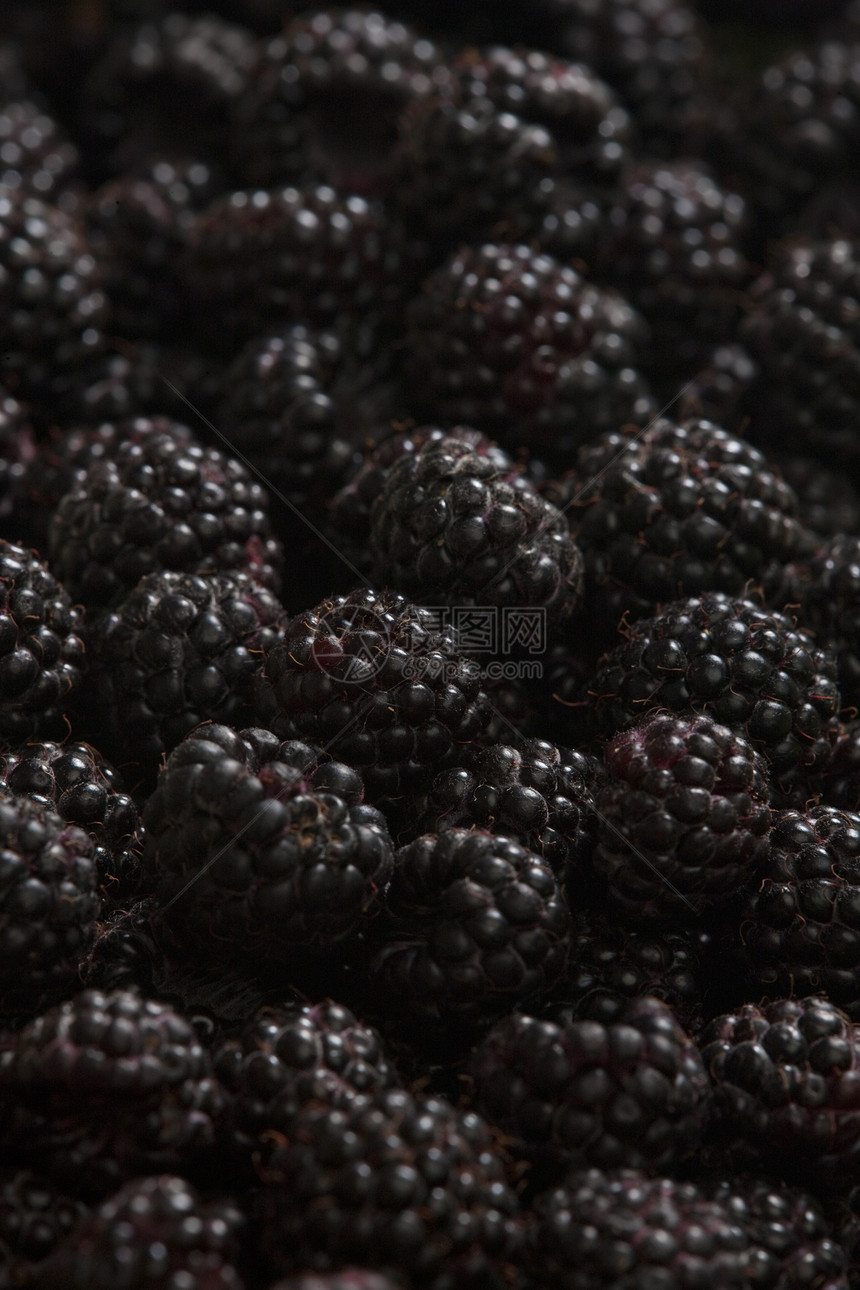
(630, 1093)
(682, 820)
(523, 347)
(35, 1218)
(160, 503)
(825, 591)
(42, 656)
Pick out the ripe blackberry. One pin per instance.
(683, 818)
(349, 1279)
(797, 930)
(267, 845)
(286, 1059)
(448, 527)
(160, 504)
(677, 511)
(720, 390)
(623, 1229)
(106, 1086)
(828, 499)
(633, 1092)
(373, 679)
(42, 658)
(749, 669)
(325, 97)
(826, 591)
(786, 1088)
(473, 925)
(17, 453)
(35, 154)
(153, 1234)
(840, 781)
(532, 791)
(405, 1183)
(181, 649)
(525, 349)
(296, 255)
(76, 783)
(52, 303)
(35, 1218)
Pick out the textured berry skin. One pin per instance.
(749, 669)
(798, 928)
(153, 1234)
(473, 926)
(181, 649)
(786, 1088)
(75, 782)
(406, 1183)
(523, 348)
(107, 1086)
(678, 511)
(35, 1218)
(42, 658)
(632, 1093)
(623, 1229)
(160, 503)
(268, 841)
(449, 527)
(827, 587)
(683, 819)
(372, 678)
(285, 1059)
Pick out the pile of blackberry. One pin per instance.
(429, 645)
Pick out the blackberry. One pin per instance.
(826, 591)
(406, 1183)
(677, 511)
(531, 791)
(473, 925)
(52, 301)
(42, 659)
(17, 453)
(286, 1059)
(632, 1093)
(525, 349)
(373, 679)
(309, 255)
(349, 1279)
(785, 1088)
(797, 931)
(720, 391)
(270, 838)
(840, 781)
(828, 499)
(106, 1086)
(182, 648)
(35, 154)
(623, 1229)
(325, 99)
(449, 527)
(153, 1233)
(683, 819)
(35, 1218)
(159, 504)
(749, 669)
(76, 783)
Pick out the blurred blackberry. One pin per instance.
(720, 390)
(36, 156)
(35, 1218)
(377, 682)
(840, 781)
(845, 1216)
(265, 847)
(405, 1183)
(17, 454)
(786, 1088)
(153, 1234)
(42, 658)
(107, 1086)
(52, 302)
(181, 649)
(284, 1060)
(525, 349)
(797, 930)
(166, 86)
(160, 504)
(531, 791)
(325, 98)
(632, 1093)
(473, 925)
(825, 591)
(751, 670)
(803, 333)
(683, 818)
(677, 511)
(623, 1229)
(76, 783)
(308, 255)
(828, 499)
(349, 1279)
(449, 527)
